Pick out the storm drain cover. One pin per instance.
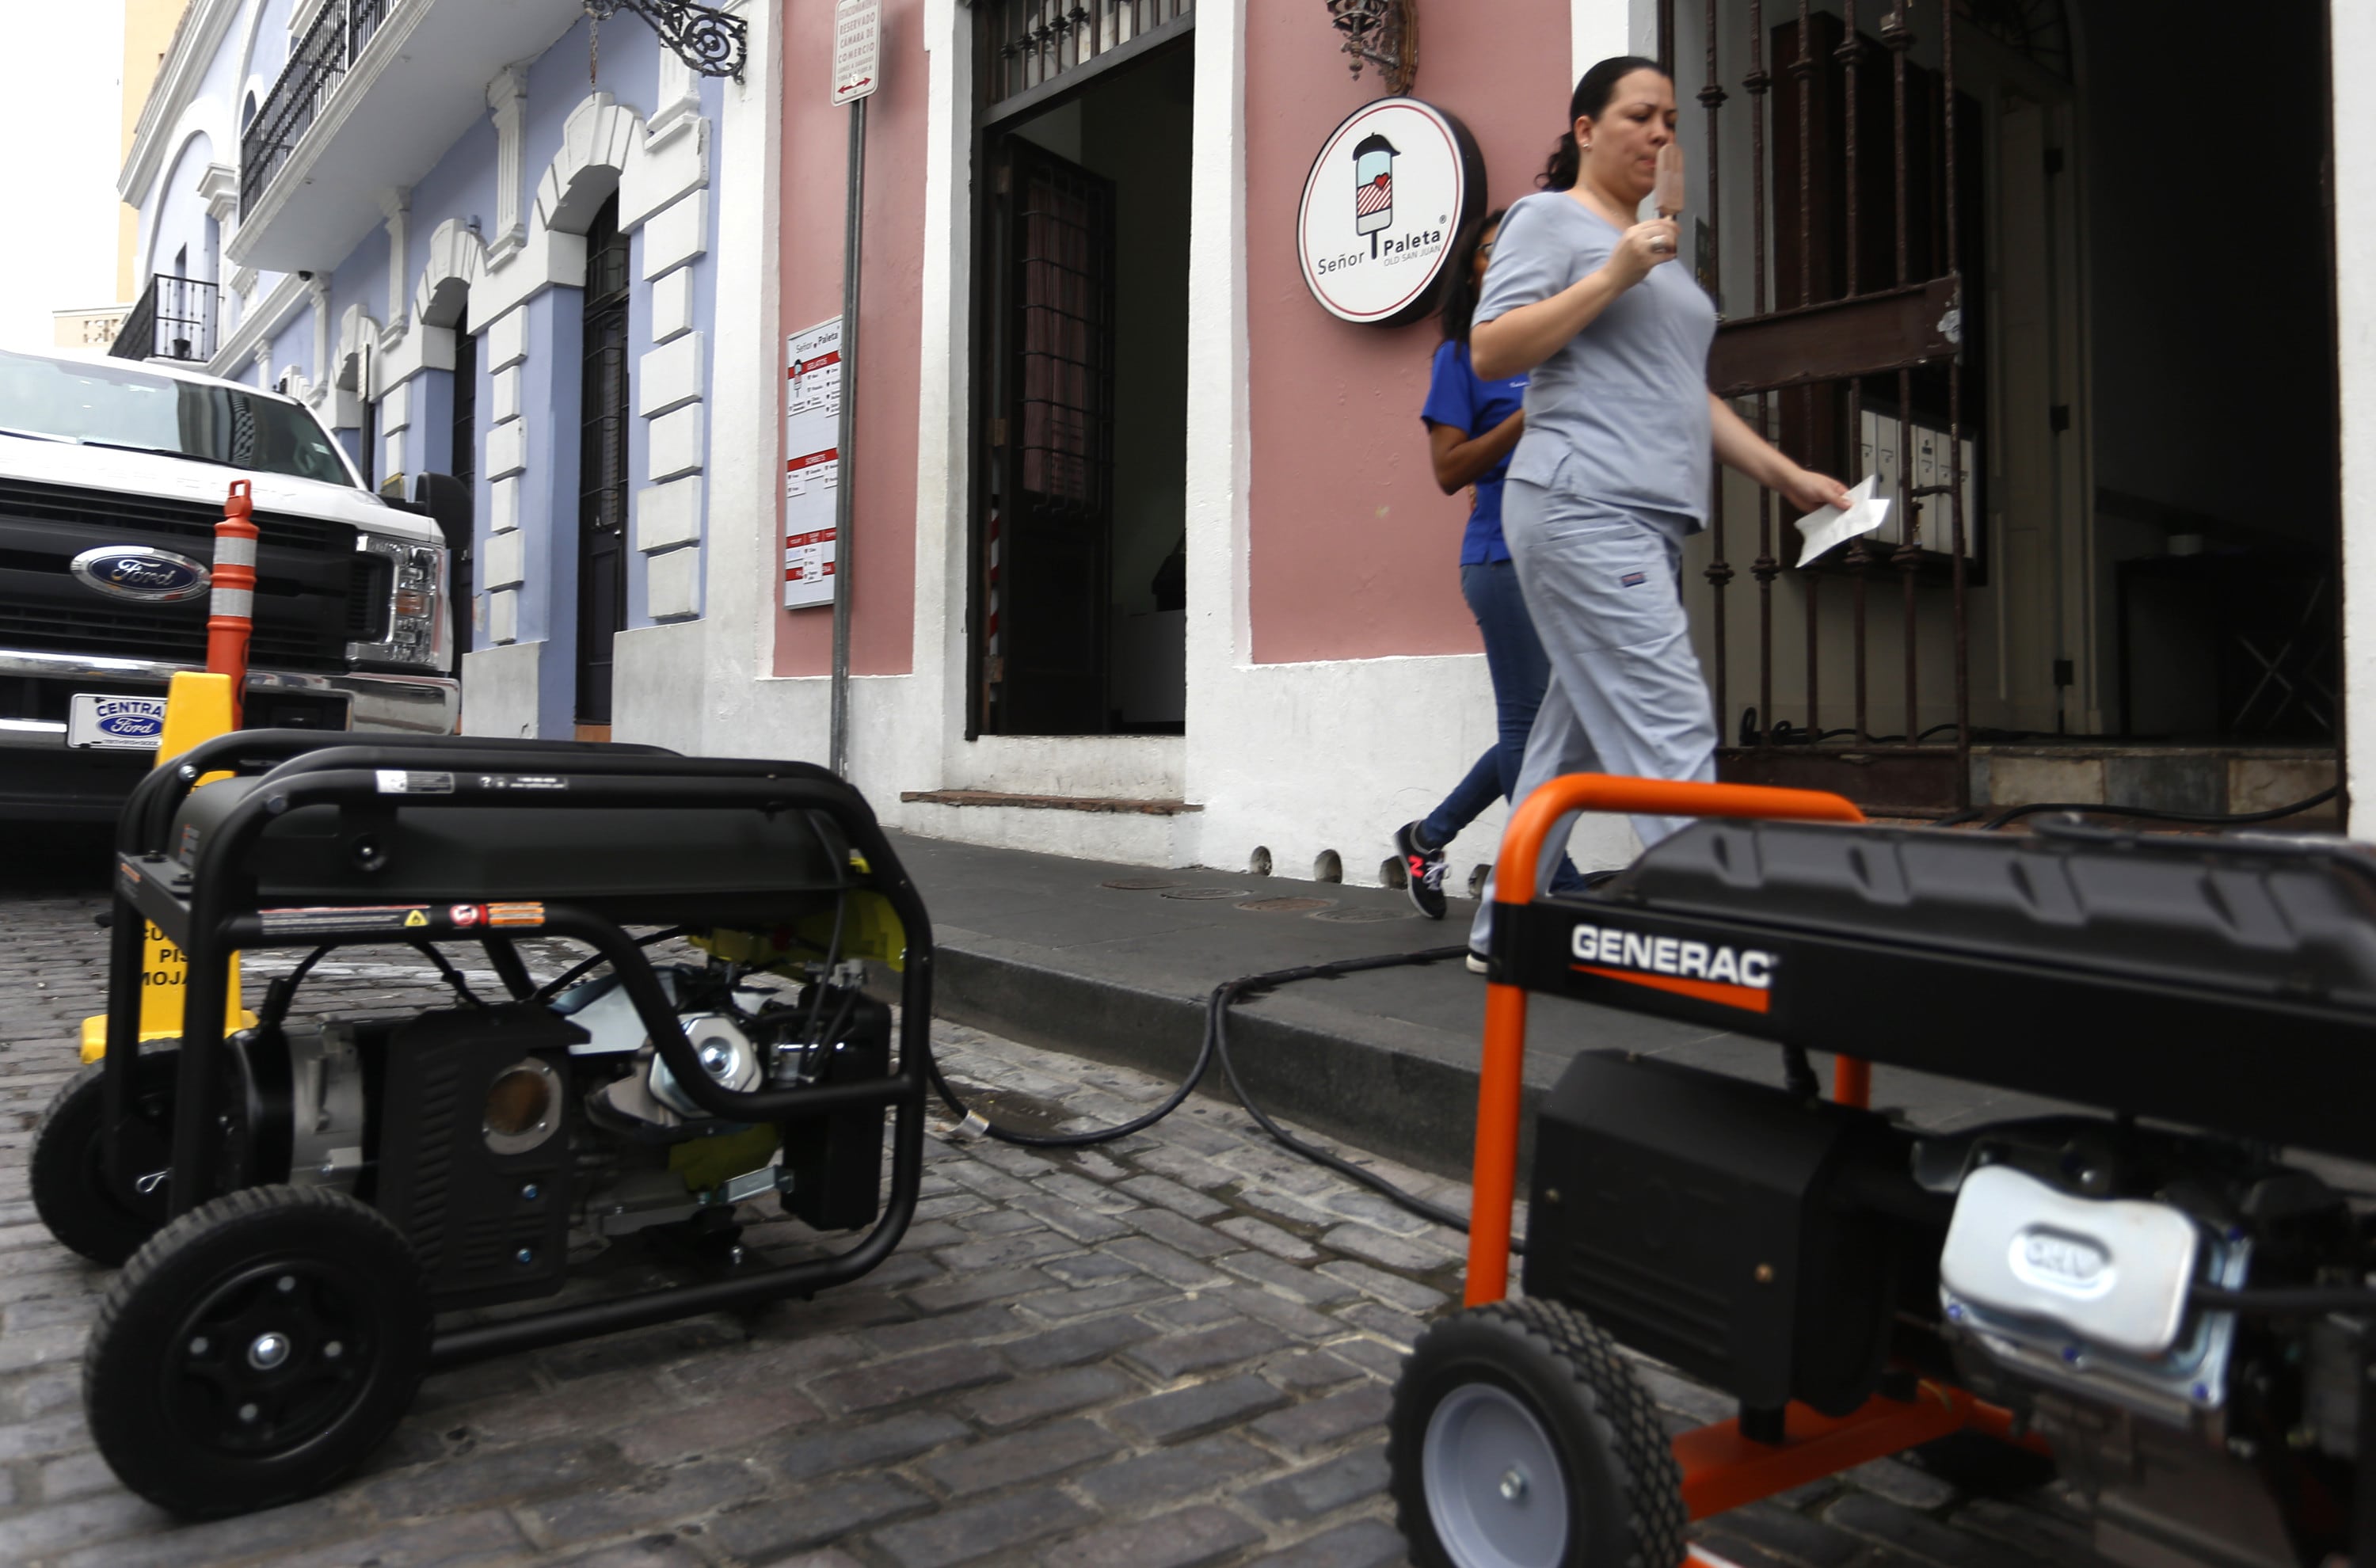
(1363, 917)
(1206, 893)
(1139, 884)
(1286, 906)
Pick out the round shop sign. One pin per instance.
(1391, 187)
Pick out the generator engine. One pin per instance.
(486, 1133)
(2068, 1293)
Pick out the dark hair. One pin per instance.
(1460, 278)
(1591, 96)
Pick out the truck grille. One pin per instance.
(314, 590)
(112, 514)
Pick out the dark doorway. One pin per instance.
(1079, 617)
(602, 465)
(462, 462)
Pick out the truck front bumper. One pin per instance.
(43, 779)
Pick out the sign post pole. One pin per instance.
(856, 70)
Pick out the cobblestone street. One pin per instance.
(1174, 1349)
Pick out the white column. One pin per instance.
(676, 97)
(2353, 25)
(396, 202)
(219, 188)
(1602, 27)
(319, 374)
(507, 98)
(1219, 437)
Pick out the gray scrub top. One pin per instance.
(1620, 414)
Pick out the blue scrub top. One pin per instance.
(1455, 397)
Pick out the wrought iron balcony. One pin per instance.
(174, 320)
(316, 65)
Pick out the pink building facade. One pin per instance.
(1146, 560)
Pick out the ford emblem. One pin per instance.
(135, 571)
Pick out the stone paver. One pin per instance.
(1172, 1350)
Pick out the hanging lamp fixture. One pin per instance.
(1383, 33)
(704, 37)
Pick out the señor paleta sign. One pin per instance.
(1391, 187)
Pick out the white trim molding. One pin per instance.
(187, 59)
(252, 339)
(506, 99)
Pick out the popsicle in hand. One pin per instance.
(1669, 193)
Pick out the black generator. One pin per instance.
(296, 1204)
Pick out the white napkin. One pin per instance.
(1827, 526)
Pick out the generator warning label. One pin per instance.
(400, 781)
(515, 914)
(1732, 977)
(372, 917)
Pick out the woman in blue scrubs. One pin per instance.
(1472, 425)
(1613, 473)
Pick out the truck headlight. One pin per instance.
(412, 624)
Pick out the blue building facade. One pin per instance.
(479, 238)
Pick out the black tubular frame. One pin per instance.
(210, 912)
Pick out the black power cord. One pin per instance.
(1215, 1043)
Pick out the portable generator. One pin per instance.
(294, 1206)
(2165, 1288)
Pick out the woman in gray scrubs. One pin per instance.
(1612, 474)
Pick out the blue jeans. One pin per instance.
(1520, 672)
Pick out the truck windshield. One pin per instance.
(102, 405)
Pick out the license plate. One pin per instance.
(103, 723)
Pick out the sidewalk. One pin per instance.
(1114, 963)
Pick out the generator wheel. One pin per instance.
(1519, 1439)
(69, 1191)
(256, 1350)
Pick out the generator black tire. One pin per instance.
(68, 1193)
(1520, 1439)
(256, 1350)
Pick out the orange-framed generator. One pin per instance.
(2136, 1277)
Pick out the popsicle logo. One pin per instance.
(1373, 187)
(1415, 178)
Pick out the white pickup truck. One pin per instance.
(112, 476)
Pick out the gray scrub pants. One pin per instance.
(1626, 695)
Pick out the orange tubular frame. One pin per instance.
(1721, 1467)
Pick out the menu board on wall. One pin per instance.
(812, 461)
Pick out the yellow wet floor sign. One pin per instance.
(197, 708)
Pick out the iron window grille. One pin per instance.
(319, 61)
(173, 320)
(1034, 42)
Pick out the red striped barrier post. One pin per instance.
(231, 611)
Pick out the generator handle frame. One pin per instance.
(1516, 875)
(219, 916)
(147, 820)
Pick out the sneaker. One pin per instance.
(1422, 871)
(1477, 963)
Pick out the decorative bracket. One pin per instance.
(704, 38)
(1383, 33)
